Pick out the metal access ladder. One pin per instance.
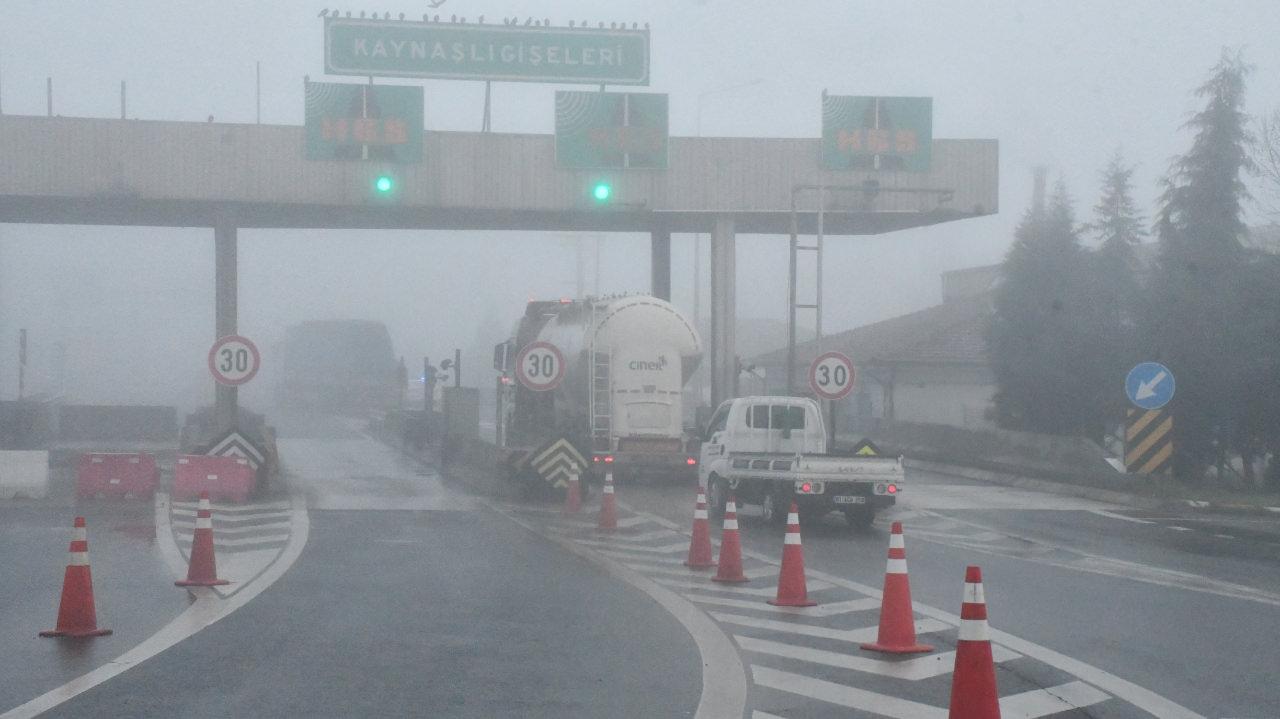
(601, 400)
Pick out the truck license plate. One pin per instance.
(847, 499)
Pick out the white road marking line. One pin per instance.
(724, 681)
(190, 508)
(1113, 515)
(633, 557)
(822, 610)
(184, 516)
(842, 695)
(681, 571)
(664, 549)
(856, 636)
(1141, 697)
(187, 538)
(1176, 528)
(641, 537)
(915, 669)
(208, 608)
(696, 582)
(1043, 702)
(1225, 536)
(1272, 509)
(710, 586)
(269, 527)
(1108, 566)
(757, 714)
(760, 572)
(634, 520)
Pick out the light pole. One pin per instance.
(697, 238)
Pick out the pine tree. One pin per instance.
(1036, 335)
(1192, 321)
(1113, 293)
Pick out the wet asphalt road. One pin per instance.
(1185, 605)
(408, 599)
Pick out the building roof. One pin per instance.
(950, 333)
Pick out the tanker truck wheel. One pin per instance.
(717, 496)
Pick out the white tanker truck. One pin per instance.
(621, 399)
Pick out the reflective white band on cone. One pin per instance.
(974, 630)
(204, 503)
(791, 538)
(79, 534)
(896, 542)
(699, 514)
(608, 489)
(793, 518)
(730, 507)
(204, 523)
(730, 524)
(973, 594)
(79, 559)
(896, 566)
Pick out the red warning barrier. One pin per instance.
(116, 475)
(224, 478)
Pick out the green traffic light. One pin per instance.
(384, 184)
(602, 191)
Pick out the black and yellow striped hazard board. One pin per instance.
(1148, 441)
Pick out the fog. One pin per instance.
(126, 314)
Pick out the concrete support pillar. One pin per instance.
(225, 290)
(660, 263)
(723, 354)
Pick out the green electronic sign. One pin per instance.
(611, 130)
(399, 48)
(877, 133)
(363, 122)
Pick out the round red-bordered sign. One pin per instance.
(831, 375)
(540, 366)
(233, 360)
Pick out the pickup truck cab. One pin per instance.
(771, 451)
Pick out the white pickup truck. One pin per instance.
(772, 450)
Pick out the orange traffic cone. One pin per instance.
(77, 615)
(730, 568)
(973, 683)
(897, 623)
(202, 570)
(573, 496)
(608, 509)
(700, 542)
(791, 587)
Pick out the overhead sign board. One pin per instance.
(611, 130)
(233, 360)
(877, 133)
(363, 122)
(540, 366)
(398, 48)
(831, 375)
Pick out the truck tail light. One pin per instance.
(893, 489)
(608, 459)
(806, 488)
(690, 461)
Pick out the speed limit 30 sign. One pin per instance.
(540, 366)
(831, 375)
(233, 360)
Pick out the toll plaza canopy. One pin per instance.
(141, 172)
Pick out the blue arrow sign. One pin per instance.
(1150, 385)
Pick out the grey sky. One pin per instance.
(1058, 84)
